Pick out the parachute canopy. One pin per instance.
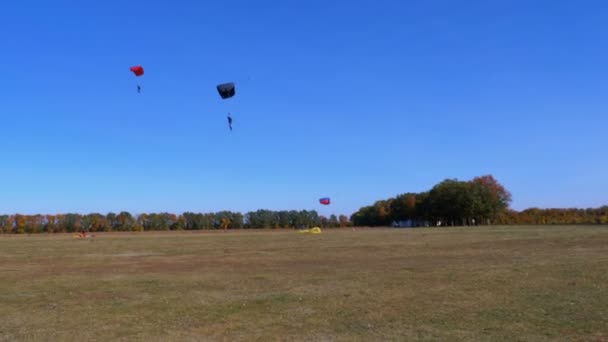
(138, 70)
(315, 230)
(226, 90)
(325, 201)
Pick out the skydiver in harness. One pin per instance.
(229, 121)
(138, 88)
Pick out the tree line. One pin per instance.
(125, 221)
(480, 201)
(555, 216)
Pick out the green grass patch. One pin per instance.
(490, 284)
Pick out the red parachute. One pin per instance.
(325, 201)
(138, 70)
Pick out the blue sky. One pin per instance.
(355, 100)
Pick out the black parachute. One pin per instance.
(226, 90)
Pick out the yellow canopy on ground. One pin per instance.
(315, 230)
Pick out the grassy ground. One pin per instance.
(488, 284)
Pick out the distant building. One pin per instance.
(410, 223)
(404, 224)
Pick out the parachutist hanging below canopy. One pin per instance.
(138, 71)
(229, 121)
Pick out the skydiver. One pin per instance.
(229, 121)
(138, 88)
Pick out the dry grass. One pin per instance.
(488, 284)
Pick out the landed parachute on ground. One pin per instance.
(83, 235)
(325, 201)
(226, 90)
(315, 230)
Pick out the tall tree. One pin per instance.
(236, 220)
(491, 197)
(333, 221)
(111, 221)
(6, 224)
(125, 222)
(403, 207)
(344, 221)
(20, 222)
(51, 223)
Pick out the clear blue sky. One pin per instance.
(356, 100)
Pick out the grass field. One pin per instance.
(488, 284)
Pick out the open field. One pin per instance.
(488, 284)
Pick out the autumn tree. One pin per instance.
(403, 207)
(51, 224)
(111, 221)
(6, 224)
(236, 220)
(324, 221)
(20, 223)
(34, 224)
(333, 221)
(124, 222)
(490, 198)
(344, 221)
(451, 201)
